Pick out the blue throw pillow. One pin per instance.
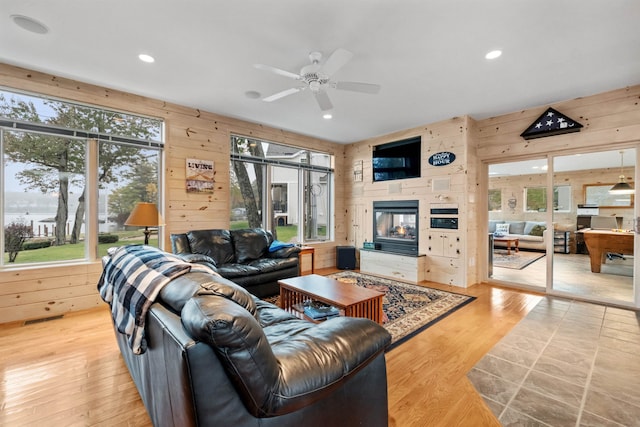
(277, 244)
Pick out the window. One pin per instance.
(287, 190)
(47, 148)
(536, 199)
(495, 200)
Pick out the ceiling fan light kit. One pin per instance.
(317, 78)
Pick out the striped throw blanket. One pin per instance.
(131, 281)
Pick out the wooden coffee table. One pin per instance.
(508, 240)
(355, 300)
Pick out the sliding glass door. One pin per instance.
(593, 236)
(517, 223)
(575, 237)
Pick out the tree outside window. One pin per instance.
(285, 189)
(536, 198)
(495, 200)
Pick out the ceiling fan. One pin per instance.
(317, 78)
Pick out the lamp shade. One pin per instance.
(622, 188)
(144, 215)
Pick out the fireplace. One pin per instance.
(395, 226)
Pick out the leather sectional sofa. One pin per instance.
(219, 356)
(242, 256)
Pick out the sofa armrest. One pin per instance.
(199, 259)
(289, 252)
(306, 364)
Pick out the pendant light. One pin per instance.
(622, 187)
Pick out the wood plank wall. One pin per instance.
(37, 292)
(610, 120)
(449, 135)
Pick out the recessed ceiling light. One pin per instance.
(146, 58)
(29, 24)
(493, 54)
(252, 94)
(327, 116)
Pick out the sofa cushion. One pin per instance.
(516, 227)
(530, 224)
(213, 243)
(240, 343)
(266, 265)
(180, 244)
(229, 290)
(502, 229)
(537, 230)
(250, 244)
(493, 223)
(178, 291)
(231, 271)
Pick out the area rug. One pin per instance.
(408, 309)
(517, 260)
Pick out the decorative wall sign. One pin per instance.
(442, 158)
(357, 171)
(199, 176)
(551, 123)
(512, 203)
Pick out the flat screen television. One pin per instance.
(397, 160)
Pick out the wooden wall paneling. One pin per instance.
(448, 135)
(29, 294)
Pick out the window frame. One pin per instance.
(304, 167)
(91, 138)
(543, 189)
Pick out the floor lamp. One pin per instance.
(144, 215)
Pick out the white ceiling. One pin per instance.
(428, 56)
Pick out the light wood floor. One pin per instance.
(68, 371)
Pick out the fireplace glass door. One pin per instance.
(396, 226)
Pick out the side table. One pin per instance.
(306, 250)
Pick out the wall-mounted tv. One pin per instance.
(397, 160)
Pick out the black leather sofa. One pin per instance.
(241, 256)
(218, 356)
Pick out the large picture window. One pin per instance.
(287, 190)
(536, 198)
(495, 200)
(55, 156)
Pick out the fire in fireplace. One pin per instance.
(395, 226)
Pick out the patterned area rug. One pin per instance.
(408, 309)
(517, 260)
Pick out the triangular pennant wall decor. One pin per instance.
(551, 122)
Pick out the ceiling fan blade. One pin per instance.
(358, 87)
(336, 61)
(323, 100)
(282, 94)
(277, 71)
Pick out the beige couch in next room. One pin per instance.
(530, 234)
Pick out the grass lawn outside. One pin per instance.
(69, 252)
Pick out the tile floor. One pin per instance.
(568, 363)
